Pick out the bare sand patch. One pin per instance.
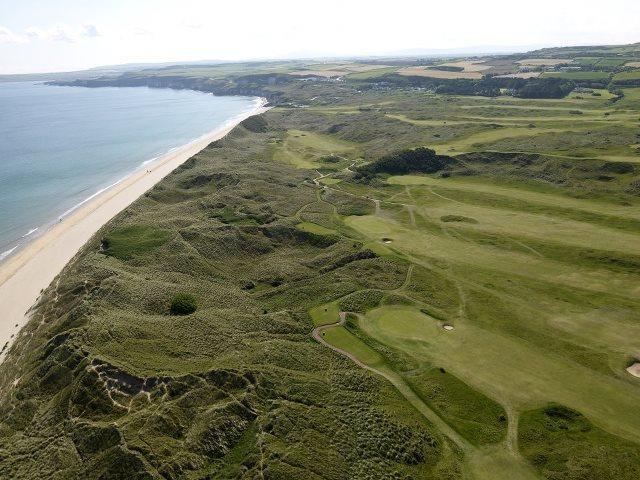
(544, 62)
(468, 65)
(634, 369)
(425, 72)
(447, 327)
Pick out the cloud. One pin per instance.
(7, 36)
(63, 33)
(89, 30)
(141, 31)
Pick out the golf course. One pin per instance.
(390, 273)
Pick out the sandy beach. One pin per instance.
(24, 275)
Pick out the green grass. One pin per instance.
(601, 61)
(623, 76)
(341, 338)
(329, 181)
(325, 314)
(135, 240)
(304, 149)
(562, 443)
(532, 259)
(378, 72)
(476, 417)
(315, 228)
(594, 76)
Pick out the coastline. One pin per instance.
(32, 268)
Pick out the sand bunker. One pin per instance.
(634, 369)
(387, 240)
(448, 327)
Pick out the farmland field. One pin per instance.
(468, 65)
(633, 75)
(578, 75)
(433, 73)
(545, 62)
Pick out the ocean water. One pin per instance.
(59, 146)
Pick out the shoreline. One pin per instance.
(33, 267)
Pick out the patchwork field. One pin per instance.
(468, 65)
(339, 70)
(433, 73)
(578, 75)
(521, 75)
(543, 62)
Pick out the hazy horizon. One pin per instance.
(72, 35)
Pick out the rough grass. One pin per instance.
(541, 292)
(563, 444)
(134, 240)
(475, 416)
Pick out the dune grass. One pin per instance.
(530, 260)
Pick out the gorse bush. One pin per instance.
(183, 304)
(416, 160)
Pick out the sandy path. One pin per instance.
(24, 275)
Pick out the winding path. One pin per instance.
(490, 462)
(397, 382)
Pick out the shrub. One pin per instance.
(417, 160)
(183, 304)
(255, 124)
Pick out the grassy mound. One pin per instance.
(563, 444)
(128, 242)
(474, 415)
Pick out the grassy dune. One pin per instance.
(490, 309)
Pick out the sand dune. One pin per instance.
(24, 275)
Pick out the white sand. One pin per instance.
(634, 369)
(32, 269)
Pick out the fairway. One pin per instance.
(304, 149)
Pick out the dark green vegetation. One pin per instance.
(485, 251)
(117, 388)
(418, 160)
(128, 242)
(563, 444)
(183, 304)
(476, 417)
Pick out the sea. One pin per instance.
(61, 146)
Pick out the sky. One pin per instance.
(65, 35)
